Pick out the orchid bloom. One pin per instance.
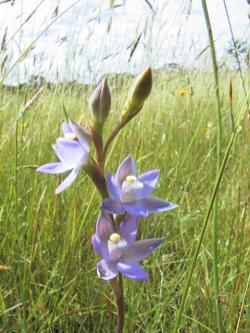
(119, 250)
(72, 151)
(129, 193)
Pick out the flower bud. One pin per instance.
(100, 102)
(138, 94)
(141, 87)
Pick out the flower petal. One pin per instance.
(104, 226)
(128, 229)
(83, 137)
(132, 270)
(126, 168)
(70, 152)
(66, 128)
(113, 206)
(68, 180)
(142, 248)
(136, 208)
(113, 188)
(150, 178)
(53, 168)
(106, 270)
(57, 151)
(100, 247)
(155, 204)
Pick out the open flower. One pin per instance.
(72, 151)
(119, 250)
(129, 193)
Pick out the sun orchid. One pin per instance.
(119, 250)
(129, 193)
(72, 151)
(126, 195)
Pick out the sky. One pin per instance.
(84, 39)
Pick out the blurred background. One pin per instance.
(82, 40)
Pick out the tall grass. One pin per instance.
(45, 239)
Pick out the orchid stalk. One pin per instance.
(125, 195)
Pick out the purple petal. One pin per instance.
(150, 178)
(132, 270)
(68, 180)
(128, 230)
(70, 152)
(154, 204)
(126, 168)
(53, 168)
(106, 270)
(104, 226)
(57, 151)
(142, 248)
(99, 247)
(113, 206)
(66, 128)
(137, 208)
(113, 188)
(83, 137)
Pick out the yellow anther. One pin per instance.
(70, 136)
(131, 179)
(115, 237)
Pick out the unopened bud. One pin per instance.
(100, 102)
(141, 87)
(138, 94)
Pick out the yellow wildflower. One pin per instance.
(182, 92)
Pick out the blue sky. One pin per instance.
(90, 40)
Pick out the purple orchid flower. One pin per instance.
(131, 194)
(119, 250)
(72, 150)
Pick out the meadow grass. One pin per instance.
(49, 283)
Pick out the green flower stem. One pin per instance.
(111, 138)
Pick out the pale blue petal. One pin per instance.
(126, 168)
(155, 204)
(66, 128)
(106, 270)
(113, 188)
(68, 180)
(136, 208)
(132, 270)
(104, 226)
(99, 247)
(113, 206)
(53, 168)
(142, 248)
(150, 178)
(83, 137)
(128, 229)
(70, 152)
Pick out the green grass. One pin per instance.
(46, 239)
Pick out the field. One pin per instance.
(47, 265)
